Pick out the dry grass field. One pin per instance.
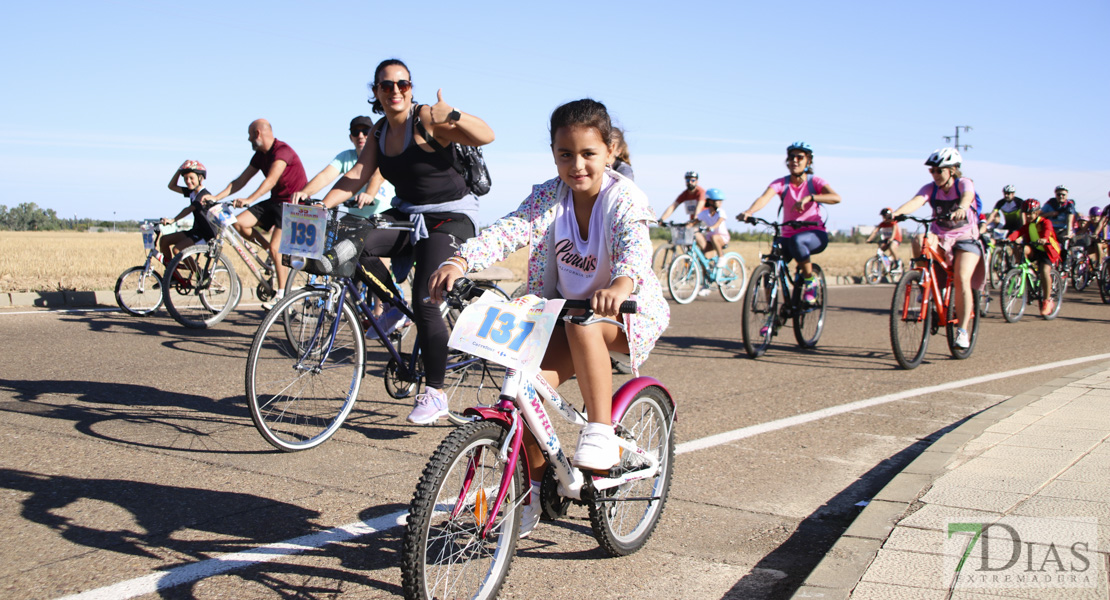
(53, 261)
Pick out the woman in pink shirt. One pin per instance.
(800, 193)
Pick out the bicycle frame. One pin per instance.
(522, 400)
(231, 236)
(931, 257)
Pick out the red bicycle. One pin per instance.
(923, 300)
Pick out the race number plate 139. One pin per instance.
(303, 230)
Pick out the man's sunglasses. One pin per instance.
(360, 131)
(386, 85)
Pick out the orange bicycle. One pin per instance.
(923, 300)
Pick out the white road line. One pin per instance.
(154, 582)
(824, 413)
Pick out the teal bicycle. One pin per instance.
(691, 270)
(1022, 284)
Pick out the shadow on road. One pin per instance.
(815, 536)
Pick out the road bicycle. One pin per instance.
(1022, 284)
(204, 287)
(924, 300)
(307, 359)
(881, 266)
(139, 289)
(464, 519)
(773, 298)
(682, 237)
(691, 270)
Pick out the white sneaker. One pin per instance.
(963, 341)
(272, 302)
(530, 516)
(429, 407)
(597, 448)
(703, 291)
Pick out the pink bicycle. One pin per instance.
(463, 522)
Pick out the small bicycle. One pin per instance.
(464, 518)
(1022, 284)
(769, 287)
(306, 362)
(139, 289)
(1082, 268)
(1004, 255)
(691, 269)
(204, 287)
(919, 306)
(682, 238)
(881, 266)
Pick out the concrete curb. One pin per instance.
(837, 575)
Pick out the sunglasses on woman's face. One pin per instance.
(935, 170)
(386, 85)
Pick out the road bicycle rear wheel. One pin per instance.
(661, 260)
(624, 517)
(443, 554)
(1014, 295)
(732, 276)
(684, 279)
(761, 303)
(873, 270)
(299, 393)
(1104, 282)
(809, 317)
(972, 331)
(139, 291)
(200, 292)
(909, 323)
(1059, 285)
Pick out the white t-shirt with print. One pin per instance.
(583, 265)
(722, 226)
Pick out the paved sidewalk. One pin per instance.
(1038, 463)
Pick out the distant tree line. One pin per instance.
(29, 217)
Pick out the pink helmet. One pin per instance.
(193, 166)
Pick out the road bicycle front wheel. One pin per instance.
(910, 321)
(809, 317)
(200, 292)
(443, 552)
(624, 517)
(684, 279)
(661, 260)
(761, 304)
(301, 382)
(732, 277)
(972, 331)
(1013, 296)
(873, 270)
(1059, 285)
(139, 291)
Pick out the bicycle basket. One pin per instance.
(345, 238)
(682, 236)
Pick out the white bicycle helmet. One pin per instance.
(944, 157)
(1009, 190)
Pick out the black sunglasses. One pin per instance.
(386, 85)
(362, 130)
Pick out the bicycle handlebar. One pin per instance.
(464, 290)
(754, 220)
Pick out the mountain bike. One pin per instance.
(691, 270)
(773, 298)
(1022, 284)
(205, 287)
(922, 302)
(307, 359)
(682, 238)
(464, 518)
(139, 289)
(881, 266)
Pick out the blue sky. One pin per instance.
(104, 100)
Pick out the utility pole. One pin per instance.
(957, 146)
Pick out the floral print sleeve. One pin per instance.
(505, 236)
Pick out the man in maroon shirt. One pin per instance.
(284, 176)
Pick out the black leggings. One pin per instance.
(428, 253)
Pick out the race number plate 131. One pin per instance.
(303, 230)
(514, 334)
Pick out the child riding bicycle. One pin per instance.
(889, 233)
(1041, 246)
(193, 173)
(588, 229)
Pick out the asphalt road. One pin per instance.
(128, 450)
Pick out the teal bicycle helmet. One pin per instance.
(715, 194)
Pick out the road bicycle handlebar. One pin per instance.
(754, 220)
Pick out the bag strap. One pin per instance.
(419, 125)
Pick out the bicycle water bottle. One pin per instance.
(340, 254)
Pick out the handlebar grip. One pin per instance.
(628, 307)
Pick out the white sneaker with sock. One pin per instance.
(530, 516)
(269, 305)
(597, 448)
